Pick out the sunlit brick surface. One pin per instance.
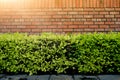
(60, 16)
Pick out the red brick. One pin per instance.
(2, 27)
(114, 26)
(72, 19)
(57, 30)
(108, 20)
(5, 30)
(73, 26)
(67, 16)
(62, 13)
(16, 20)
(42, 13)
(104, 19)
(109, 9)
(117, 16)
(109, 23)
(118, 19)
(103, 12)
(47, 16)
(77, 16)
(24, 23)
(109, 30)
(46, 30)
(88, 16)
(34, 16)
(42, 27)
(81, 20)
(104, 26)
(51, 27)
(31, 27)
(117, 29)
(89, 30)
(16, 16)
(67, 30)
(17, 23)
(78, 22)
(93, 26)
(83, 26)
(46, 23)
(98, 16)
(88, 9)
(99, 9)
(5, 17)
(25, 30)
(36, 20)
(77, 9)
(21, 20)
(25, 17)
(62, 27)
(117, 9)
(81, 3)
(21, 26)
(72, 13)
(99, 22)
(57, 16)
(114, 20)
(67, 23)
(114, 13)
(56, 23)
(109, 16)
(89, 20)
(6, 24)
(78, 30)
(83, 13)
(11, 27)
(67, 9)
(117, 22)
(36, 30)
(88, 23)
(64, 20)
(93, 13)
(100, 30)
(15, 30)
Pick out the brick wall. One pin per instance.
(61, 16)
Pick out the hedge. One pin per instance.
(60, 54)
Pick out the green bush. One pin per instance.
(54, 53)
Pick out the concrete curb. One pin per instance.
(59, 77)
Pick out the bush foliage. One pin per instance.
(54, 53)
